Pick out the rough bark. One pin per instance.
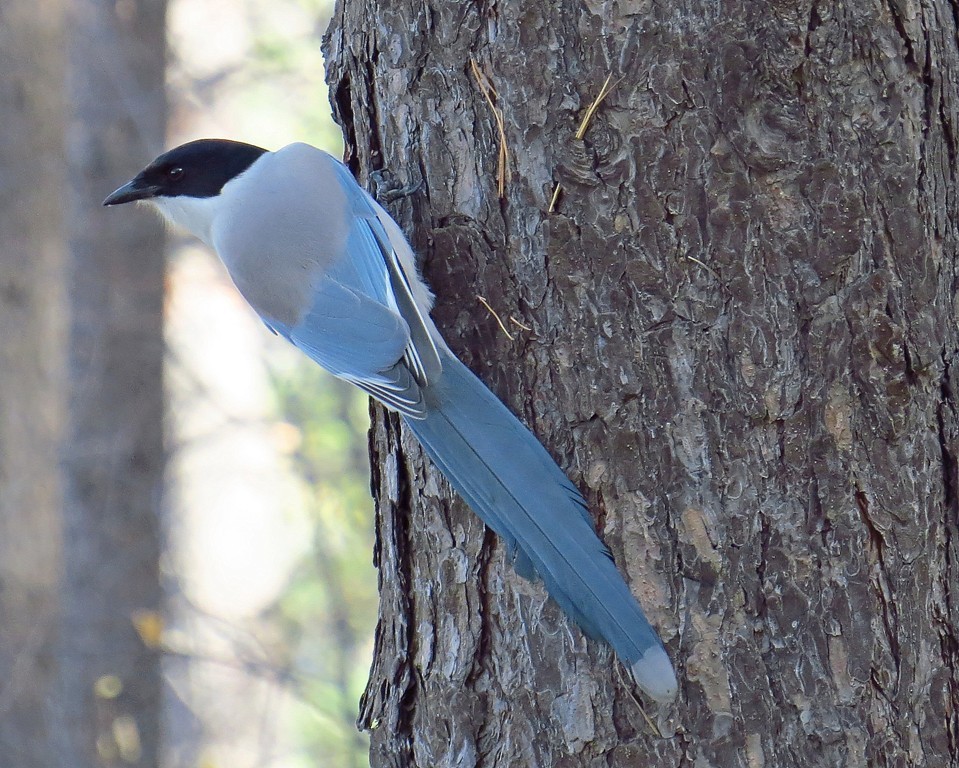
(31, 348)
(113, 457)
(743, 342)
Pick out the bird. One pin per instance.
(327, 268)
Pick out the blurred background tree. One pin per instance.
(107, 705)
(32, 262)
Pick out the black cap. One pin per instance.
(198, 169)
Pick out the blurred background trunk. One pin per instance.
(31, 310)
(742, 347)
(110, 679)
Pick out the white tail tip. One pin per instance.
(654, 674)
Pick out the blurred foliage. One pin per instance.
(290, 67)
(329, 609)
(328, 612)
(271, 79)
(271, 88)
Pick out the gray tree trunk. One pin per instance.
(113, 458)
(743, 350)
(31, 348)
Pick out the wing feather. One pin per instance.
(349, 301)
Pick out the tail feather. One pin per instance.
(509, 479)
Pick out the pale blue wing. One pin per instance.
(360, 340)
(372, 267)
(361, 322)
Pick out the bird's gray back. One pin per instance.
(284, 223)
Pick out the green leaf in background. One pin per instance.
(329, 608)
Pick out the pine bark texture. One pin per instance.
(32, 176)
(113, 459)
(743, 346)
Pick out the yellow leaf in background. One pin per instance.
(126, 736)
(149, 625)
(106, 749)
(288, 437)
(107, 687)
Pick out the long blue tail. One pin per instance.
(513, 484)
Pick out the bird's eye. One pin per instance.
(175, 173)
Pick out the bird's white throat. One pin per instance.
(194, 214)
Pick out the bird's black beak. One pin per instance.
(138, 189)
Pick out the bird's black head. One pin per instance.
(197, 169)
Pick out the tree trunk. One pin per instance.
(113, 458)
(31, 347)
(742, 350)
